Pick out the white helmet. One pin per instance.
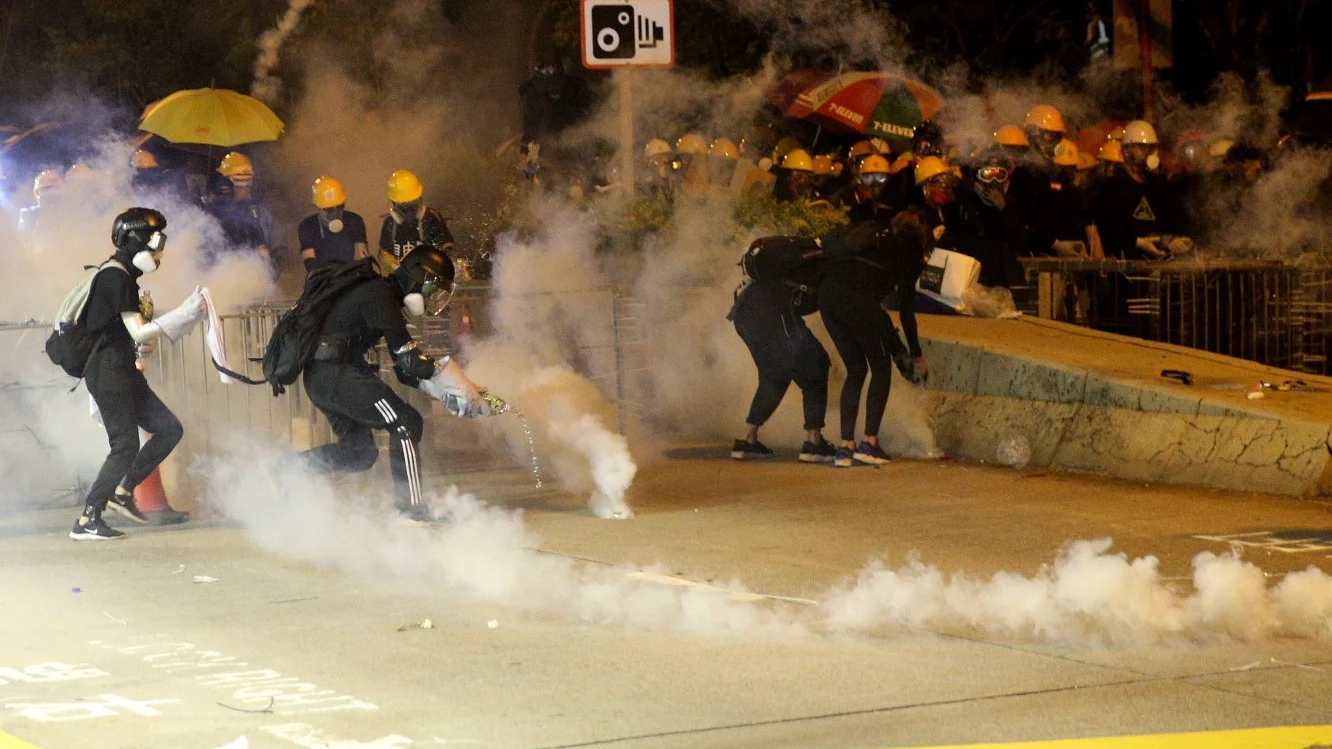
(1140, 132)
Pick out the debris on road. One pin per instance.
(423, 624)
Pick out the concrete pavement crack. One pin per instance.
(926, 704)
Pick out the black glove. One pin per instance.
(411, 366)
(905, 364)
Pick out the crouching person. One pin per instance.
(120, 391)
(347, 389)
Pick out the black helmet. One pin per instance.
(427, 271)
(132, 229)
(927, 139)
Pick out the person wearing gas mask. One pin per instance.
(861, 199)
(114, 319)
(1137, 212)
(334, 234)
(988, 230)
(927, 140)
(348, 391)
(410, 223)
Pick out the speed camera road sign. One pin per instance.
(628, 34)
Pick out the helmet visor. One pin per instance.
(436, 292)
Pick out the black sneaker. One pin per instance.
(91, 527)
(744, 450)
(821, 452)
(419, 515)
(871, 454)
(124, 504)
(167, 516)
(843, 458)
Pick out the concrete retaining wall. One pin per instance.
(1095, 402)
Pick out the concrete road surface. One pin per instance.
(635, 636)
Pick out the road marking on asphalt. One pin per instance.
(9, 741)
(1288, 737)
(1269, 541)
(734, 595)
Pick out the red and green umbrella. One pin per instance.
(874, 103)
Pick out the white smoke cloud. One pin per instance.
(267, 86)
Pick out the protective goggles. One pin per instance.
(992, 174)
(874, 178)
(156, 242)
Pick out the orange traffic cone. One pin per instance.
(152, 501)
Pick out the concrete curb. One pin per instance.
(1120, 418)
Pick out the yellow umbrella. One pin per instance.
(211, 116)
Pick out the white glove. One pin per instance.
(459, 394)
(181, 320)
(1067, 248)
(1148, 247)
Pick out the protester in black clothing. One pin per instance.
(112, 316)
(334, 234)
(986, 228)
(870, 263)
(768, 315)
(348, 391)
(862, 198)
(410, 223)
(1049, 205)
(1137, 212)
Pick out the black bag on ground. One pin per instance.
(794, 262)
(296, 335)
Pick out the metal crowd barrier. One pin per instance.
(1272, 312)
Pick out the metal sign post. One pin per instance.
(621, 35)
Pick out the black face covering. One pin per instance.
(407, 211)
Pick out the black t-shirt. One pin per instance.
(368, 312)
(113, 292)
(241, 225)
(1125, 210)
(1048, 206)
(399, 239)
(330, 246)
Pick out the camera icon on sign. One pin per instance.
(617, 34)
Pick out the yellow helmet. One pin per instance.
(327, 192)
(931, 166)
(724, 148)
(798, 161)
(822, 165)
(657, 147)
(1045, 117)
(144, 160)
(1011, 135)
(872, 164)
(79, 171)
(1140, 132)
(1065, 153)
(1085, 161)
(404, 187)
(691, 143)
(1220, 148)
(236, 167)
(861, 148)
(1116, 134)
(47, 180)
(784, 146)
(1111, 151)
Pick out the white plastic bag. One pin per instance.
(947, 276)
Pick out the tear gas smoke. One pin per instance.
(1089, 595)
(267, 86)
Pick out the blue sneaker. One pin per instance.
(872, 455)
(843, 458)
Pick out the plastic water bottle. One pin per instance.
(1014, 451)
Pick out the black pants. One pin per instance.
(127, 404)
(865, 338)
(356, 402)
(784, 349)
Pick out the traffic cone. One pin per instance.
(152, 501)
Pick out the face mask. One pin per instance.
(939, 195)
(414, 303)
(1154, 161)
(332, 218)
(146, 261)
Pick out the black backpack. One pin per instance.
(793, 262)
(69, 346)
(296, 335)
